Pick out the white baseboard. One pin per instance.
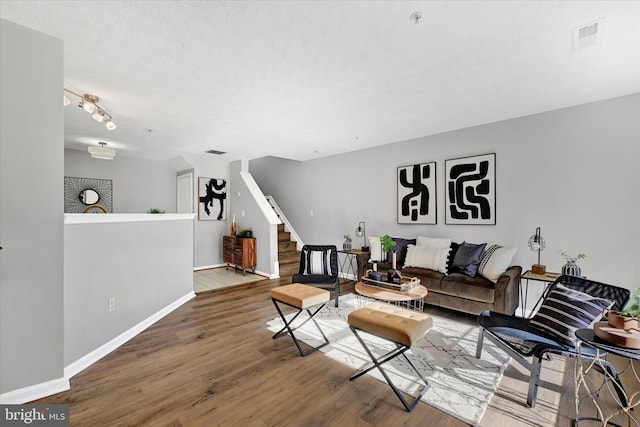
(34, 392)
(207, 267)
(97, 354)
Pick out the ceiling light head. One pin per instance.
(65, 100)
(102, 152)
(98, 116)
(110, 125)
(87, 106)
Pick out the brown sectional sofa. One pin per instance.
(460, 292)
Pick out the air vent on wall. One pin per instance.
(588, 34)
(215, 152)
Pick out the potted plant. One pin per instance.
(570, 268)
(629, 317)
(155, 211)
(247, 232)
(346, 246)
(387, 243)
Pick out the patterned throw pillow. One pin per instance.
(495, 261)
(564, 311)
(318, 262)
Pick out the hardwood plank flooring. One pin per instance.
(213, 362)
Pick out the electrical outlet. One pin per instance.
(112, 304)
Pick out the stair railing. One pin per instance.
(287, 225)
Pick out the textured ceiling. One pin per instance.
(302, 80)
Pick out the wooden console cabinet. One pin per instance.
(239, 252)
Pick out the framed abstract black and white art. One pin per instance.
(417, 194)
(471, 190)
(212, 193)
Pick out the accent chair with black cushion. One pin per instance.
(570, 303)
(319, 267)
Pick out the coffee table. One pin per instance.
(413, 298)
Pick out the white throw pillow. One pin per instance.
(435, 243)
(375, 248)
(431, 258)
(495, 261)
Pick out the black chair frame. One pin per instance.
(377, 362)
(529, 345)
(287, 329)
(330, 281)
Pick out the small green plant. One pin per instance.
(247, 232)
(347, 238)
(387, 243)
(155, 211)
(633, 308)
(569, 258)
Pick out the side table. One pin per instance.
(626, 399)
(546, 278)
(349, 264)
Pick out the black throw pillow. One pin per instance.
(401, 250)
(467, 258)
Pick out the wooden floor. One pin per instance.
(213, 362)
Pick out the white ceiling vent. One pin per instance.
(588, 34)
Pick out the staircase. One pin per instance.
(288, 255)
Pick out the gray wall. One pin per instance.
(31, 207)
(144, 265)
(138, 184)
(572, 171)
(208, 234)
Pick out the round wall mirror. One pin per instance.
(89, 196)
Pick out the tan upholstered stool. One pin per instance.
(302, 297)
(402, 327)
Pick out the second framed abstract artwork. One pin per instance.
(212, 194)
(417, 194)
(471, 190)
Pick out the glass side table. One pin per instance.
(611, 384)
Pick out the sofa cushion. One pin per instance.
(401, 250)
(474, 288)
(495, 261)
(430, 279)
(565, 310)
(431, 242)
(467, 259)
(434, 259)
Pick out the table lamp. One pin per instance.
(537, 243)
(361, 232)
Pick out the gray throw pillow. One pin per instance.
(467, 258)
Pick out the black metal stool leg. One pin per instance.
(287, 329)
(378, 362)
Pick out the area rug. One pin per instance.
(460, 384)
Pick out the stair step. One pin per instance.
(287, 246)
(280, 227)
(284, 236)
(289, 257)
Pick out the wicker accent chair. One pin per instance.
(529, 344)
(319, 267)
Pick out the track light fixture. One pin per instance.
(89, 103)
